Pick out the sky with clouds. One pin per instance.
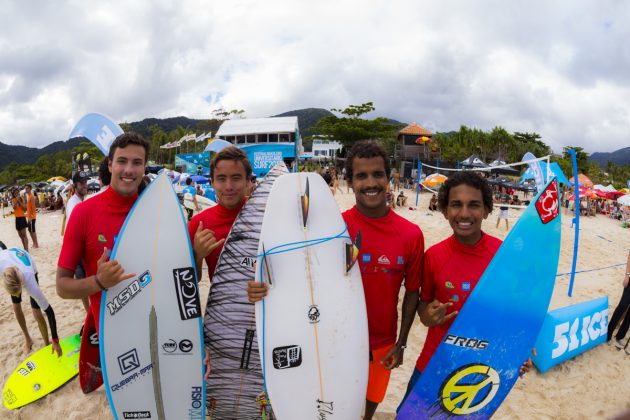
(561, 69)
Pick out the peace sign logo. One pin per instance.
(469, 389)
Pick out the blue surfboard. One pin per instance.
(478, 361)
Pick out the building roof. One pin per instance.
(415, 129)
(258, 126)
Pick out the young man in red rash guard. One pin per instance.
(95, 223)
(453, 267)
(230, 171)
(391, 252)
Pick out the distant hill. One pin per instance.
(620, 157)
(28, 155)
(24, 155)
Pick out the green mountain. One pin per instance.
(23, 155)
(620, 157)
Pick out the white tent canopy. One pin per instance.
(258, 125)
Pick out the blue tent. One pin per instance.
(555, 168)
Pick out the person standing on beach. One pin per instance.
(189, 189)
(19, 210)
(79, 184)
(453, 267)
(503, 212)
(622, 307)
(94, 224)
(391, 253)
(31, 214)
(19, 271)
(230, 171)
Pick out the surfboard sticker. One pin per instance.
(151, 336)
(312, 326)
(42, 373)
(478, 361)
(234, 389)
(90, 374)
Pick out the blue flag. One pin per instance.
(99, 129)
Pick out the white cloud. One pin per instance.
(536, 66)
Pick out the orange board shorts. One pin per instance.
(378, 377)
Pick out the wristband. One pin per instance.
(55, 340)
(99, 283)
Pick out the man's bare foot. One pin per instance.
(28, 345)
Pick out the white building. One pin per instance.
(325, 149)
(265, 140)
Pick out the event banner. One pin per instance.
(570, 331)
(265, 156)
(193, 163)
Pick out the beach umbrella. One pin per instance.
(625, 190)
(624, 200)
(583, 180)
(434, 180)
(56, 178)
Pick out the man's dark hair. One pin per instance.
(188, 181)
(471, 179)
(125, 139)
(231, 153)
(103, 171)
(365, 149)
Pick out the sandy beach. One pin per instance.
(593, 385)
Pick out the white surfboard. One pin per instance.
(203, 202)
(312, 326)
(150, 325)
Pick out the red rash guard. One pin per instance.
(451, 272)
(94, 225)
(218, 219)
(391, 250)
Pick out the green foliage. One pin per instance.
(352, 128)
(497, 144)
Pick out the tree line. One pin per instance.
(347, 126)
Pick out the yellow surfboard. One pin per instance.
(42, 373)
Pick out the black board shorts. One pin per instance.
(31, 225)
(21, 223)
(18, 299)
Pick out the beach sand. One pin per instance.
(592, 385)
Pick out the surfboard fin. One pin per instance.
(304, 201)
(266, 267)
(352, 252)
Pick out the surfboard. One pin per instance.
(312, 326)
(90, 375)
(150, 325)
(234, 389)
(42, 373)
(204, 203)
(478, 362)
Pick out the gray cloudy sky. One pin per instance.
(561, 69)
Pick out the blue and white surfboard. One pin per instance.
(478, 362)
